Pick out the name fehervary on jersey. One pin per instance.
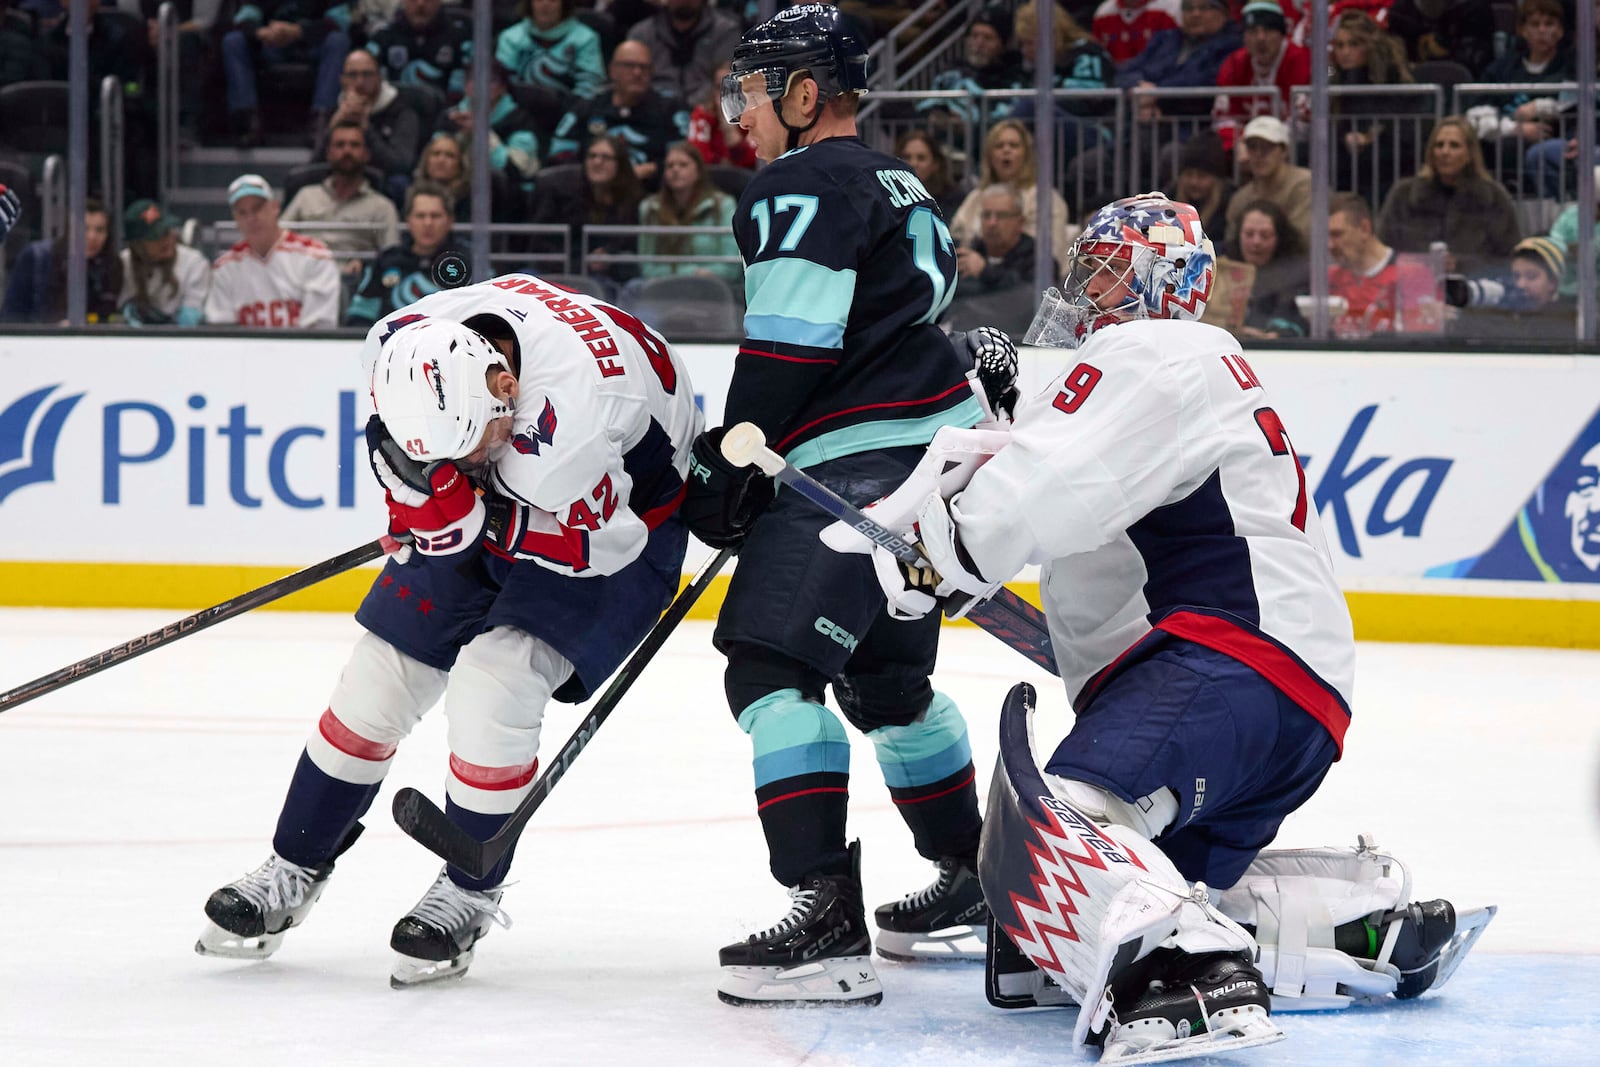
(590, 330)
(903, 186)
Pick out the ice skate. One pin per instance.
(248, 917)
(435, 940)
(819, 953)
(1174, 1005)
(944, 921)
(1432, 941)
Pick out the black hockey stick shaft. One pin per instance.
(425, 823)
(1005, 615)
(200, 620)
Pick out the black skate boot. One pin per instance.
(249, 916)
(1425, 929)
(1170, 999)
(819, 953)
(436, 939)
(947, 920)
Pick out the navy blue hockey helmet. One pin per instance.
(809, 37)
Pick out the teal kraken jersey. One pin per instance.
(848, 266)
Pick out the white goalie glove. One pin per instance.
(918, 510)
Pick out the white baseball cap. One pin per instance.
(1267, 128)
(249, 185)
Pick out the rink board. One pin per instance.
(1457, 493)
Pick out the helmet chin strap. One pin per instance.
(796, 132)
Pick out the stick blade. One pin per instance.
(428, 826)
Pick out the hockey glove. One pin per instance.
(433, 507)
(949, 575)
(10, 209)
(994, 361)
(721, 502)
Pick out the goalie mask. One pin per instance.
(431, 390)
(1142, 257)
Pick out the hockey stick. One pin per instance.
(200, 620)
(1017, 623)
(421, 818)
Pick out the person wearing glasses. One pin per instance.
(628, 108)
(393, 128)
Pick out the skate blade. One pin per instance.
(1235, 1029)
(956, 944)
(223, 944)
(842, 980)
(1469, 927)
(410, 972)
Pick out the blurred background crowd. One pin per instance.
(297, 164)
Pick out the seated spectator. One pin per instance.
(1564, 232)
(687, 198)
(688, 39)
(20, 57)
(1008, 157)
(1459, 30)
(1530, 308)
(718, 140)
(1273, 247)
(419, 46)
(271, 277)
(513, 146)
(444, 164)
(1381, 292)
(120, 52)
(1452, 199)
(1376, 141)
(606, 193)
(281, 31)
(1268, 59)
(37, 287)
(393, 129)
(1125, 27)
(1272, 177)
(554, 61)
(987, 63)
(164, 283)
(930, 162)
(1205, 180)
(1538, 54)
(629, 109)
(345, 196)
(1000, 256)
(1188, 56)
(406, 272)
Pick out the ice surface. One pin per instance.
(126, 798)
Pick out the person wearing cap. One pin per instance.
(988, 62)
(1453, 200)
(1188, 57)
(272, 277)
(1268, 59)
(1272, 177)
(164, 283)
(1529, 307)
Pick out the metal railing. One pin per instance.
(1507, 155)
(167, 96)
(938, 46)
(111, 149)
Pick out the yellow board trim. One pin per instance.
(1403, 617)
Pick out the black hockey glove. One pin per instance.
(994, 358)
(721, 502)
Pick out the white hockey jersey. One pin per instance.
(295, 285)
(604, 422)
(1160, 490)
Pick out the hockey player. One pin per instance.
(1209, 656)
(575, 421)
(848, 265)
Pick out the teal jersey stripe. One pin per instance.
(793, 736)
(887, 433)
(797, 301)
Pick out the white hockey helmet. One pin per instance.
(431, 390)
(1152, 244)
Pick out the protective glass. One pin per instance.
(742, 90)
